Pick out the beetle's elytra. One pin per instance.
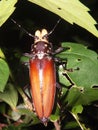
(42, 75)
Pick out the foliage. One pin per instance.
(72, 11)
(4, 71)
(78, 77)
(83, 77)
(7, 8)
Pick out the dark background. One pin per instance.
(32, 17)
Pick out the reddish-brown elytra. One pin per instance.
(42, 73)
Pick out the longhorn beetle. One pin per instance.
(42, 73)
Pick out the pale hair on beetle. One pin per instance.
(41, 35)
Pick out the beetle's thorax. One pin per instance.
(41, 46)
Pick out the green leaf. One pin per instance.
(62, 78)
(71, 125)
(30, 116)
(84, 76)
(73, 11)
(77, 109)
(55, 116)
(22, 110)
(6, 9)
(24, 59)
(2, 54)
(10, 96)
(4, 74)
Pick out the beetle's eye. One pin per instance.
(45, 36)
(36, 37)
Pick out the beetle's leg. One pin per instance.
(64, 64)
(60, 49)
(58, 85)
(28, 55)
(60, 62)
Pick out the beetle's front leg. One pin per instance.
(60, 49)
(60, 62)
(28, 55)
(64, 64)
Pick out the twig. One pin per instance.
(57, 125)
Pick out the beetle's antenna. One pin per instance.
(23, 28)
(54, 27)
